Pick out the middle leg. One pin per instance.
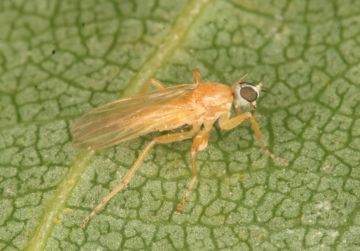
(200, 142)
(196, 74)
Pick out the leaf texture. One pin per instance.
(58, 59)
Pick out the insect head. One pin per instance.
(246, 94)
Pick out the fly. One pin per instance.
(195, 107)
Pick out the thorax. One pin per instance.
(212, 99)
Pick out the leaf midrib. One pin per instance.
(55, 206)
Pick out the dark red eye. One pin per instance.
(248, 93)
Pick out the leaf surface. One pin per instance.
(58, 59)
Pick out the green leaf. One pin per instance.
(58, 59)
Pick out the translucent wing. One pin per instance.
(129, 118)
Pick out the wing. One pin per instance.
(129, 118)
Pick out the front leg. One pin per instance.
(227, 123)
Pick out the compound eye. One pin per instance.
(248, 93)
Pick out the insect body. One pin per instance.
(197, 106)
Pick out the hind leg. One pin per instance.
(156, 83)
(130, 174)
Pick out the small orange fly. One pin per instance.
(198, 106)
